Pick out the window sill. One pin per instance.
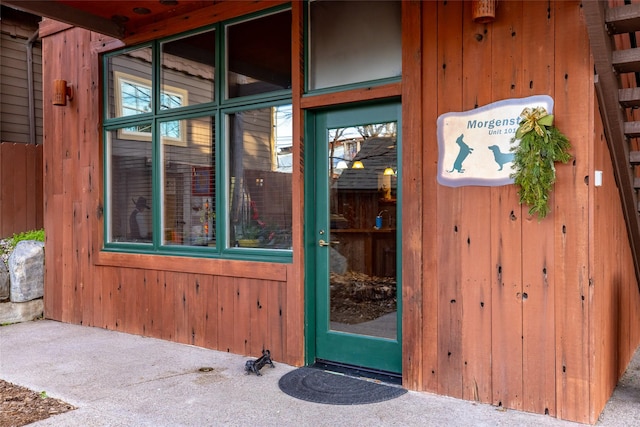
(214, 267)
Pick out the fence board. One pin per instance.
(20, 188)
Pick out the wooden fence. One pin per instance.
(21, 200)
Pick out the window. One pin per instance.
(260, 211)
(257, 65)
(353, 41)
(133, 97)
(188, 172)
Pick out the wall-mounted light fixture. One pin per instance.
(357, 165)
(389, 172)
(61, 92)
(484, 11)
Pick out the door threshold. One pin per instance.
(359, 372)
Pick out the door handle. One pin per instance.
(321, 242)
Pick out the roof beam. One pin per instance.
(69, 15)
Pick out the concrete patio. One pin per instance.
(117, 379)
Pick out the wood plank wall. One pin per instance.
(21, 207)
(512, 297)
(498, 307)
(241, 307)
(615, 318)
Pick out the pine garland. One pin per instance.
(541, 145)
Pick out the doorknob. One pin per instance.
(321, 242)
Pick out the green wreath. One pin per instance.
(541, 145)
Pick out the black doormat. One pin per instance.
(320, 386)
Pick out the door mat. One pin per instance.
(320, 386)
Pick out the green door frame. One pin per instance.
(337, 117)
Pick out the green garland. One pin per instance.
(541, 145)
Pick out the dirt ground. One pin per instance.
(20, 406)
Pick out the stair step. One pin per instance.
(634, 157)
(632, 129)
(626, 60)
(623, 19)
(629, 97)
(636, 184)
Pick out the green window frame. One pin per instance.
(201, 189)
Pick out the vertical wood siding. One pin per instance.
(21, 206)
(498, 307)
(153, 296)
(513, 297)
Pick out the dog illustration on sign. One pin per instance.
(500, 157)
(464, 152)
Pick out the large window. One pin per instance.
(353, 41)
(188, 171)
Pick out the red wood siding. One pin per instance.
(512, 297)
(21, 206)
(498, 307)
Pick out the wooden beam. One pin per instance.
(629, 97)
(626, 61)
(623, 19)
(607, 87)
(634, 157)
(68, 14)
(632, 129)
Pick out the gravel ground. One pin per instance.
(20, 406)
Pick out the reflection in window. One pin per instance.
(188, 63)
(129, 181)
(162, 121)
(189, 185)
(259, 185)
(139, 100)
(344, 46)
(134, 97)
(259, 55)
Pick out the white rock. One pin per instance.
(26, 269)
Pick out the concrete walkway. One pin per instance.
(117, 379)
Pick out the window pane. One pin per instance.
(129, 216)
(129, 85)
(353, 41)
(188, 63)
(259, 55)
(259, 183)
(189, 184)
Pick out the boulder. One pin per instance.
(4, 281)
(26, 269)
(15, 312)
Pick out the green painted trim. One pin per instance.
(216, 109)
(346, 348)
(309, 242)
(350, 86)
